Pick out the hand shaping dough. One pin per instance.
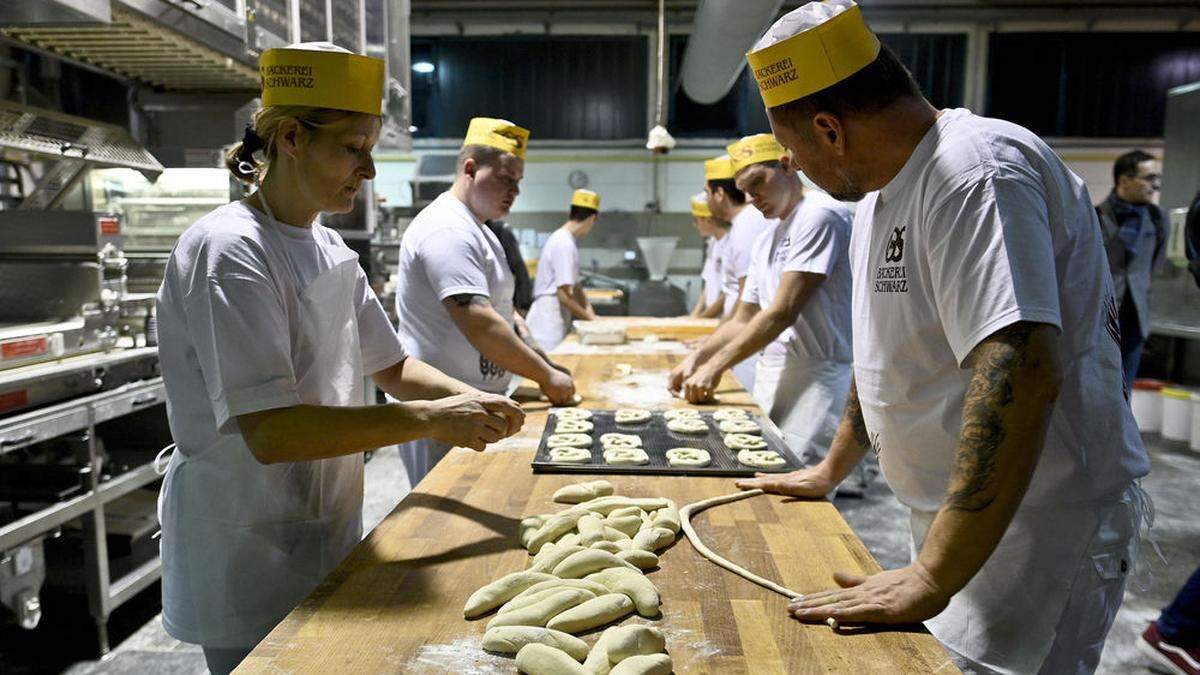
(572, 440)
(510, 640)
(646, 664)
(500, 591)
(539, 659)
(688, 425)
(730, 414)
(594, 612)
(626, 456)
(631, 416)
(581, 492)
(744, 426)
(567, 455)
(677, 413)
(573, 427)
(573, 413)
(615, 440)
(744, 442)
(765, 459)
(543, 610)
(688, 457)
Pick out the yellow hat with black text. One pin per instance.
(322, 75)
(718, 168)
(754, 150)
(810, 49)
(499, 134)
(700, 206)
(586, 198)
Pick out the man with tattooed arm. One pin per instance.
(987, 367)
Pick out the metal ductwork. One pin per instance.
(723, 31)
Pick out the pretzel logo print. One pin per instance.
(895, 247)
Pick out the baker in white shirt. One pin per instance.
(267, 330)
(726, 202)
(987, 372)
(795, 305)
(558, 295)
(710, 304)
(454, 294)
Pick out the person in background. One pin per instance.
(1173, 641)
(454, 289)
(715, 232)
(795, 305)
(1135, 237)
(558, 295)
(726, 202)
(987, 363)
(1191, 240)
(268, 329)
(522, 284)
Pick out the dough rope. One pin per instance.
(685, 521)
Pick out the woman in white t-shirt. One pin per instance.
(268, 329)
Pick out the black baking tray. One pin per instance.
(656, 440)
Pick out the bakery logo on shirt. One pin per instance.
(892, 277)
(489, 370)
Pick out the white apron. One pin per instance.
(243, 543)
(549, 321)
(804, 397)
(1046, 598)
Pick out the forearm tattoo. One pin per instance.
(853, 416)
(989, 394)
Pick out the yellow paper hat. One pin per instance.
(499, 134)
(700, 206)
(810, 49)
(587, 199)
(322, 75)
(754, 149)
(718, 168)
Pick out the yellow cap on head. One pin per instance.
(499, 134)
(587, 199)
(322, 75)
(700, 206)
(810, 49)
(718, 168)
(753, 150)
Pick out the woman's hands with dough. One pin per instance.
(813, 483)
(702, 384)
(906, 595)
(473, 420)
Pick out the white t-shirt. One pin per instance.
(984, 227)
(744, 229)
(813, 238)
(445, 251)
(558, 264)
(711, 273)
(228, 311)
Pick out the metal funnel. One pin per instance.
(656, 252)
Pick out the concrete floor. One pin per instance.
(143, 647)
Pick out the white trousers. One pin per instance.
(1046, 598)
(805, 398)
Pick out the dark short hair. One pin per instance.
(1127, 164)
(482, 154)
(730, 188)
(579, 214)
(876, 86)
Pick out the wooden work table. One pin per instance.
(395, 604)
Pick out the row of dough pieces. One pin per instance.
(625, 449)
(680, 420)
(586, 572)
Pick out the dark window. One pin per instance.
(1088, 84)
(559, 88)
(937, 62)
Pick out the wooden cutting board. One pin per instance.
(395, 604)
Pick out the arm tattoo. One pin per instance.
(465, 299)
(983, 428)
(853, 415)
